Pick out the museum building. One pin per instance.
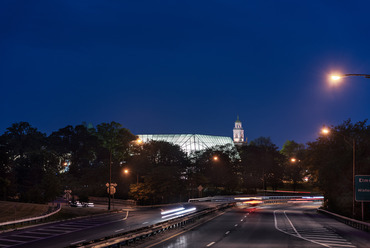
(196, 142)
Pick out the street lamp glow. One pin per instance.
(293, 160)
(335, 77)
(126, 171)
(139, 141)
(325, 131)
(215, 158)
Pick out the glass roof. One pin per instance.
(189, 142)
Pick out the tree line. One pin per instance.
(36, 167)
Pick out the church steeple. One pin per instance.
(238, 132)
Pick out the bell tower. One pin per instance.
(238, 132)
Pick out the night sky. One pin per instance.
(164, 67)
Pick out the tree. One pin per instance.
(77, 146)
(114, 141)
(330, 158)
(216, 169)
(262, 164)
(28, 164)
(161, 166)
(294, 154)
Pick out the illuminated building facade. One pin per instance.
(189, 142)
(238, 133)
(197, 142)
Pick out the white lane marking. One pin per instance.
(42, 233)
(126, 214)
(331, 244)
(295, 230)
(212, 243)
(323, 237)
(338, 240)
(77, 242)
(63, 227)
(241, 219)
(236, 224)
(146, 222)
(119, 229)
(25, 236)
(343, 245)
(277, 228)
(335, 242)
(12, 240)
(227, 232)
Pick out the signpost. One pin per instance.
(67, 194)
(111, 190)
(200, 188)
(362, 189)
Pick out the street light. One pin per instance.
(127, 171)
(326, 131)
(336, 77)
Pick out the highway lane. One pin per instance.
(66, 233)
(288, 225)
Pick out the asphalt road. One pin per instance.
(75, 231)
(289, 225)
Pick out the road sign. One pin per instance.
(362, 188)
(112, 190)
(200, 188)
(67, 194)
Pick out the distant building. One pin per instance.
(238, 133)
(197, 142)
(189, 142)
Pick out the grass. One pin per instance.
(16, 210)
(10, 211)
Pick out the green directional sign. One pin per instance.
(362, 187)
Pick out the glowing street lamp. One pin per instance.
(215, 158)
(127, 171)
(335, 77)
(293, 160)
(325, 130)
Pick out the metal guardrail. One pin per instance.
(30, 220)
(136, 235)
(348, 221)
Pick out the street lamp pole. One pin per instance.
(337, 77)
(360, 75)
(353, 175)
(110, 178)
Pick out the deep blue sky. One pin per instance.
(185, 66)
